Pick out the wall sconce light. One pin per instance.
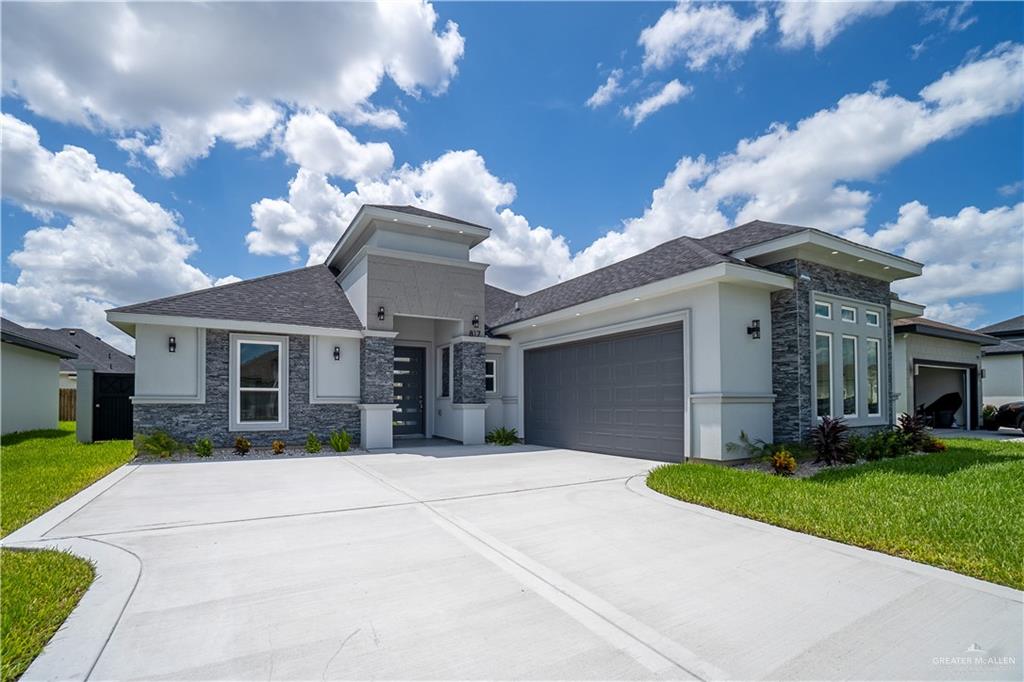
(172, 344)
(337, 352)
(754, 329)
(380, 313)
(476, 321)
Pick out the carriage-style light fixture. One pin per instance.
(380, 313)
(337, 352)
(754, 329)
(172, 344)
(476, 321)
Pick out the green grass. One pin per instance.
(962, 509)
(43, 468)
(38, 589)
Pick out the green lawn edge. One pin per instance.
(961, 510)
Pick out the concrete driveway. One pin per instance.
(473, 563)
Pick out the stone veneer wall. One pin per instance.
(468, 373)
(793, 412)
(377, 370)
(210, 420)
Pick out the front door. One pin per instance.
(410, 390)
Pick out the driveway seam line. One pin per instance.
(124, 607)
(98, 496)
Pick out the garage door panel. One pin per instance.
(621, 394)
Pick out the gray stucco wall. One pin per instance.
(468, 373)
(424, 289)
(791, 340)
(377, 370)
(210, 420)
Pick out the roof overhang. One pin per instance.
(730, 273)
(900, 309)
(32, 344)
(372, 217)
(943, 333)
(126, 322)
(826, 249)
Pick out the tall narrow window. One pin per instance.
(823, 371)
(259, 382)
(446, 364)
(874, 404)
(849, 376)
(490, 375)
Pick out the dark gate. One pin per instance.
(112, 406)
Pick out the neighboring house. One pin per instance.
(931, 360)
(1004, 364)
(29, 378)
(91, 349)
(669, 353)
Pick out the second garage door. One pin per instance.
(620, 394)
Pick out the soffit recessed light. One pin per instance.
(835, 253)
(577, 314)
(394, 220)
(886, 267)
(860, 260)
(533, 325)
(460, 231)
(637, 298)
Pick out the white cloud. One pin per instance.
(801, 23)
(953, 17)
(672, 92)
(608, 91)
(1013, 189)
(116, 246)
(312, 140)
(973, 253)
(316, 212)
(173, 79)
(701, 33)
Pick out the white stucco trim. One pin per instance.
(407, 255)
(122, 320)
(503, 343)
(605, 330)
(733, 398)
(234, 399)
(314, 398)
(902, 309)
(895, 266)
(722, 272)
(199, 397)
(470, 339)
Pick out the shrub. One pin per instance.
(754, 449)
(313, 443)
(277, 447)
(203, 447)
(242, 446)
(783, 463)
(158, 443)
(878, 445)
(830, 439)
(341, 441)
(503, 436)
(934, 445)
(913, 429)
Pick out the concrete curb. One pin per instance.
(638, 485)
(75, 648)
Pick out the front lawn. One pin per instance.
(962, 509)
(41, 469)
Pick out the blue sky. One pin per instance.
(550, 173)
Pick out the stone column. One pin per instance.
(468, 389)
(376, 391)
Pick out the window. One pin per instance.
(871, 317)
(258, 380)
(490, 375)
(446, 364)
(874, 406)
(848, 314)
(849, 376)
(823, 310)
(823, 372)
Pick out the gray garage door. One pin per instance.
(620, 394)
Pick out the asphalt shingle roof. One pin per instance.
(423, 213)
(1004, 348)
(1014, 324)
(497, 302)
(748, 234)
(36, 339)
(92, 349)
(307, 296)
(922, 324)
(675, 257)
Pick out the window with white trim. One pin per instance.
(823, 310)
(872, 318)
(490, 376)
(258, 382)
(873, 353)
(849, 376)
(823, 373)
(848, 314)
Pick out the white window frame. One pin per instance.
(235, 396)
(828, 306)
(492, 375)
(868, 342)
(856, 377)
(868, 314)
(845, 308)
(831, 379)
